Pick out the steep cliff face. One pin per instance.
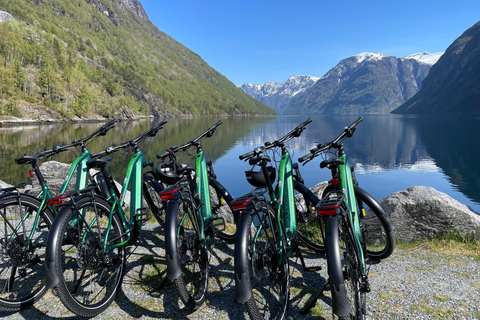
(453, 83)
(84, 58)
(365, 83)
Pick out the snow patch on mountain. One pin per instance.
(369, 56)
(425, 57)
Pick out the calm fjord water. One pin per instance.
(389, 152)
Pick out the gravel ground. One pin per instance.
(411, 284)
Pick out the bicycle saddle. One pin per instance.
(98, 163)
(329, 162)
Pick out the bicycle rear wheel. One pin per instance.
(352, 270)
(269, 275)
(89, 275)
(23, 236)
(182, 233)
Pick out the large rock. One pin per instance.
(4, 16)
(423, 212)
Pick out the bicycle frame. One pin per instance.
(284, 201)
(346, 181)
(203, 191)
(134, 175)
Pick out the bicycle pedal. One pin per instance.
(141, 215)
(312, 269)
(218, 224)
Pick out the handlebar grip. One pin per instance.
(246, 155)
(163, 155)
(354, 124)
(308, 156)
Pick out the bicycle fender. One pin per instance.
(375, 205)
(243, 287)
(174, 270)
(54, 235)
(340, 303)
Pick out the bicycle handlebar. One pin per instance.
(347, 133)
(133, 143)
(57, 149)
(280, 142)
(207, 134)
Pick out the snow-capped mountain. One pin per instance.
(369, 82)
(278, 95)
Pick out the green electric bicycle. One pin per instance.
(267, 234)
(191, 220)
(344, 240)
(87, 245)
(25, 221)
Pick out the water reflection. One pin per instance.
(390, 152)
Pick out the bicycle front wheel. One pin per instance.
(23, 237)
(89, 265)
(184, 246)
(220, 199)
(377, 228)
(310, 229)
(268, 267)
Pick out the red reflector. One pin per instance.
(239, 205)
(335, 182)
(327, 212)
(56, 201)
(168, 195)
(30, 174)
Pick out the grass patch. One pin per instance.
(385, 296)
(436, 312)
(451, 243)
(440, 297)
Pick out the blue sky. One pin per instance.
(259, 41)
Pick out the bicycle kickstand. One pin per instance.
(313, 301)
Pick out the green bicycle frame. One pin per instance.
(203, 192)
(79, 165)
(134, 175)
(286, 201)
(347, 185)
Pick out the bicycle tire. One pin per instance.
(378, 233)
(24, 283)
(256, 259)
(310, 229)
(151, 190)
(351, 269)
(377, 228)
(182, 234)
(80, 263)
(220, 199)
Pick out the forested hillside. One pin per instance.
(84, 58)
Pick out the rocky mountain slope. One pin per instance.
(82, 58)
(453, 84)
(365, 83)
(278, 95)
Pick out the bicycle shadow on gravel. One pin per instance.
(305, 285)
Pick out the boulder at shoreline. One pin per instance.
(422, 212)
